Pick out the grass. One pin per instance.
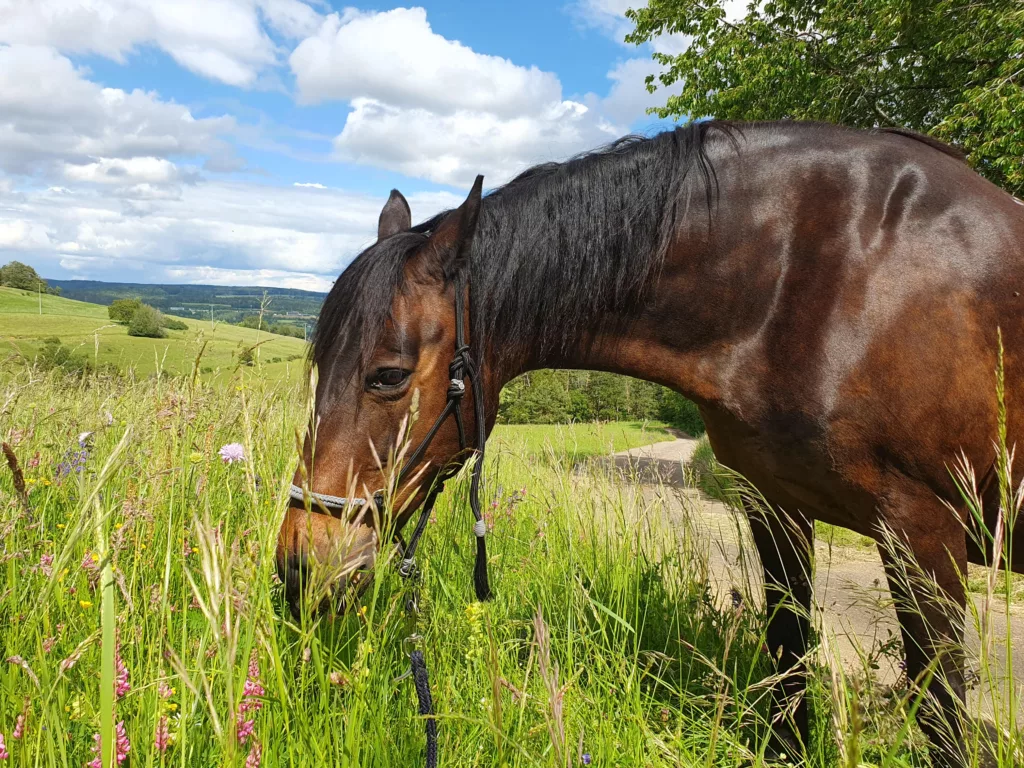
(605, 637)
(87, 329)
(574, 442)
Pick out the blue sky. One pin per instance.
(254, 141)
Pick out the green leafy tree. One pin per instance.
(174, 324)
(146, 322)
(123, 310)
(288, 329)
(950, 68)
(18, 275)
(255, 321)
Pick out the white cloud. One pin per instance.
(454, 148)
(226, 40)
(55, 122)
(216, 232)
(434, 108)
(395, 57)
(628, 98)
(310, 184)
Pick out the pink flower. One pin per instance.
(121, 684)
(231, 453)
(46, 564)
(245, 729)
(90, 562)
(162, 737)
(164, 690)
(121, 745)
(3, 748)
(255, 755)
(19, 727)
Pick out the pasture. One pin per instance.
(140, 566)
(86, 329)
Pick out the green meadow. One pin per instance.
(27, 320)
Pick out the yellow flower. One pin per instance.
(195, 549)
(85, 604)
(171, 706)
(60, 525)
(119, 526)
(143, 546)
(46, 482)
(94, 557)
(195, 457)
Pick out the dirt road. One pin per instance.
(851, 594)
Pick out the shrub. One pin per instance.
(174, 324)
(146, 322)
(681, 413)
(123, 310)
(55, 356)
(288, 329)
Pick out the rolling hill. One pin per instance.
(27, 320)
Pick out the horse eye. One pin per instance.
(388, 378)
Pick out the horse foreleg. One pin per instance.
(784, 544)
(924, 560)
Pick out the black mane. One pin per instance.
(560, 251)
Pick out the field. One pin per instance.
(138, 592)
(573, 442)
(87, 329)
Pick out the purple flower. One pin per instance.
(586, 758)
(255, 755)
(121, 683)
(162, 737)
(3, 748)
(121, 745)
(232, 452)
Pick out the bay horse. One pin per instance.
(830, 298)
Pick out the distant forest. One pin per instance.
(226, 304)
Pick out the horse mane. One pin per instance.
(561, 252)
(947, 149)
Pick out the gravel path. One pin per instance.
(850, 585)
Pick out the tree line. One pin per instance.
(560, 397)
(14, 274)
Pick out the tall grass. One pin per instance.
(138, 586)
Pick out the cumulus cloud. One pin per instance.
(55, 122)
(429, 107)
(213, 232)
(225, 40)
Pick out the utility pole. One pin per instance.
(39, 293)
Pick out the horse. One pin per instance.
(830, 298)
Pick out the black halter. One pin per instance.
(461, 366)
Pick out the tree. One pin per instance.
(950, 68)
(255, 321)
(122, 310)
(146, 322)
(288, 329)
(18, 275)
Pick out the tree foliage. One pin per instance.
(123, 310)
(14, 274)
(146, 322)
(559, 397)
(950, 68)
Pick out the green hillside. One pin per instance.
(87, 329)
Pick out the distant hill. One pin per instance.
(28, 320)
(226, 303)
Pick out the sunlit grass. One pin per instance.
(654, 668)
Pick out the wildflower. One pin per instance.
(121, 684)
(121, 745)
(84, 439)
(231, 453)
(86, 604)
(245, 730)
(74, 461)
(90, 562)
(162, 737)
(253, 690)
(164, 690)
(306, 655)
(46, 564)
(48, 644)
(586, 758)
(34, 461)
(19, 724)
(338, 678)
(3, 748)
(255, 755)
(196, 457)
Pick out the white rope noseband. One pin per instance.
(325, 499)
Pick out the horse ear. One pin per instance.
(453, 238)
(395, 217)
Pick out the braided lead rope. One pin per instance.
(426, 704)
